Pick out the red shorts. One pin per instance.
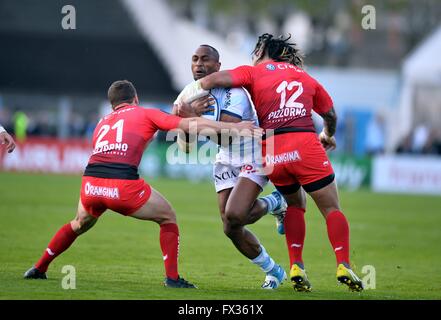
(122, 196)
(297, 159)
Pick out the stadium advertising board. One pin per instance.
(352, 172)
(407, 174)
(70, 156)
(48, 155)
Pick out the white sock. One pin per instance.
(271, 201)
(264, 261)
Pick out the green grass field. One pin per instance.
(120, 257)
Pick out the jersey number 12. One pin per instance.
(291, 103)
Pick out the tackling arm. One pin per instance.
(244, 128)
(329, 126)
(330, 122)
(201, 87)
(221, 79)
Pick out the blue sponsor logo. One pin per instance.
(271, 67)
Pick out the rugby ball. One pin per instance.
(213, 114)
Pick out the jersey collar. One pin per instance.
(120, 106)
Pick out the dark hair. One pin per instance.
(121, 91)
(279, 49)
(215, 52)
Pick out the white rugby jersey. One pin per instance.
(242, 150)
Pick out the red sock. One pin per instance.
(59, 243)
(338, 233)
(295, 233)
(169, 240)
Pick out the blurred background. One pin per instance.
(56, 67)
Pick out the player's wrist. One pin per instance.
(326, 133)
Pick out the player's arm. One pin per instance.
(329, 126)
(323, 105)
(175, 110)
(199, 125)
(197, 108)
(234, 108)
(222, 79)
(164, 121)
(329, 122)
(238, 77)
(5, 138)
(186, 110)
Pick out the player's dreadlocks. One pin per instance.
(279, 49)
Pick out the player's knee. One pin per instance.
(235, 216)
(327, 210)
(166, 215)
(82, 224)
(298, 201)
(230, 230)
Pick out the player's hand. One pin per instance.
(192, 91)
(248, 129)
(5, 138)
(202, 105)
(185, 110)
(327, 142)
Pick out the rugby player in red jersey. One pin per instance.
(111, 179)
(284, 96)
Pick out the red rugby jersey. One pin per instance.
(122, 136)
(283, 94)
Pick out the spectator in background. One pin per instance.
(375, 135)
(406, 145)
(90, 125)
(420, 138)
(77, 127)
(433, 143)
(20, 125)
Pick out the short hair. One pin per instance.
(215, 52)
(279, 49)
(121, 91)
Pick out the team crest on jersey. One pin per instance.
(271, 67)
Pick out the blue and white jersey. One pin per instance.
(236, 103)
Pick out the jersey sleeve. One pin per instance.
(322, 100)
(160, 120)
(242, 76)
(236, 103)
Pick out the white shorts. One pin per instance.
(226, 176)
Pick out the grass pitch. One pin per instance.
(120, 258)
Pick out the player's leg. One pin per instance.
(326, 199)
(273, 203)
(237, 211)
(61, 241)
(235, 216)
(159, 210)
(243, 208)
(295, 231)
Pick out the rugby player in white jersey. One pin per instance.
(236, 175)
